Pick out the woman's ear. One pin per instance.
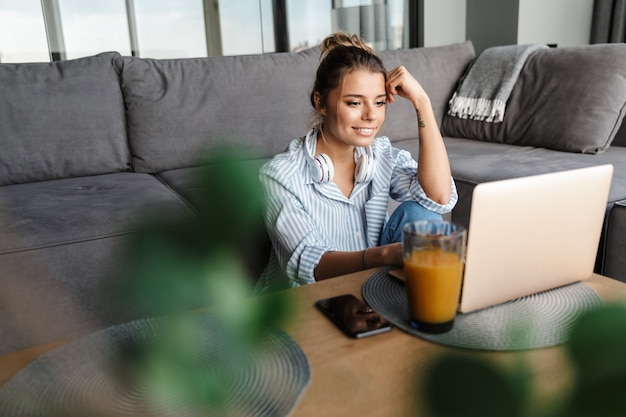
(317, 98)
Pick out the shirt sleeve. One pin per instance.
(404, 185)
(297, 243)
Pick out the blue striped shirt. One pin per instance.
(306, 218)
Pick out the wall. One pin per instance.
(562, 22)
(502, 22)
(492, 22)
(444, 22)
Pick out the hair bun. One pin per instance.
(343, 40)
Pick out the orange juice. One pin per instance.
(433, 284)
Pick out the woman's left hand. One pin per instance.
(400, 82)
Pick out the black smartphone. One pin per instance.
(353, 316)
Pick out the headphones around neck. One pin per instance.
(322, 168)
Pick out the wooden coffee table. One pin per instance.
(378, 375)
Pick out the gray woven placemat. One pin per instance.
(77, 379)
(534, 321)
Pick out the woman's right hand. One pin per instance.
(390, 254)
(334, 263)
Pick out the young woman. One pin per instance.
(327, 195)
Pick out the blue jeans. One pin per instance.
(406, 212)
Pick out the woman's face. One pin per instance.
(355, 110)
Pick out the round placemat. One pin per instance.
(78, 379)
(534, 321)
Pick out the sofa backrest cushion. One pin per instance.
(569, 99)
(61, 119)
(438, 70)
(178, 108)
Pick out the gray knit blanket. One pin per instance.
(485, 89)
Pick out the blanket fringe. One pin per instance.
(480, 109)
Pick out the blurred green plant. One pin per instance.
(462, 385)
(174, 269)
(598, 351)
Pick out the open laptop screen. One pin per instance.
(531, 234)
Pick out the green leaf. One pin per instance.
(597, 348)
(462, 386)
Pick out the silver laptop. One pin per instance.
(532, 234)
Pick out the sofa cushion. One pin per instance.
(49, 213)
(238, 182)
(481, 162)
(177, 108)
(568, 99)
(59, 292)
(438, 70)
(474, 162)
(61, 119)
(190, 183)
(63, 243)
(203, 101)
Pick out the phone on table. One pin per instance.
(353, 316)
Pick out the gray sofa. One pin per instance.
(90, 148)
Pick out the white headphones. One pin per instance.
(322, 168)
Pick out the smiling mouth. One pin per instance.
(365, 130)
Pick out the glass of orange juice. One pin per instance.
(434, 255)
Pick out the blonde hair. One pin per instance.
(341, 54)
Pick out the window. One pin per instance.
(247, 27)
(170, 28)
(94, 26)
(380, 22)
(308, 23)
(22, 32)
(40, 30)
(368, 18)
